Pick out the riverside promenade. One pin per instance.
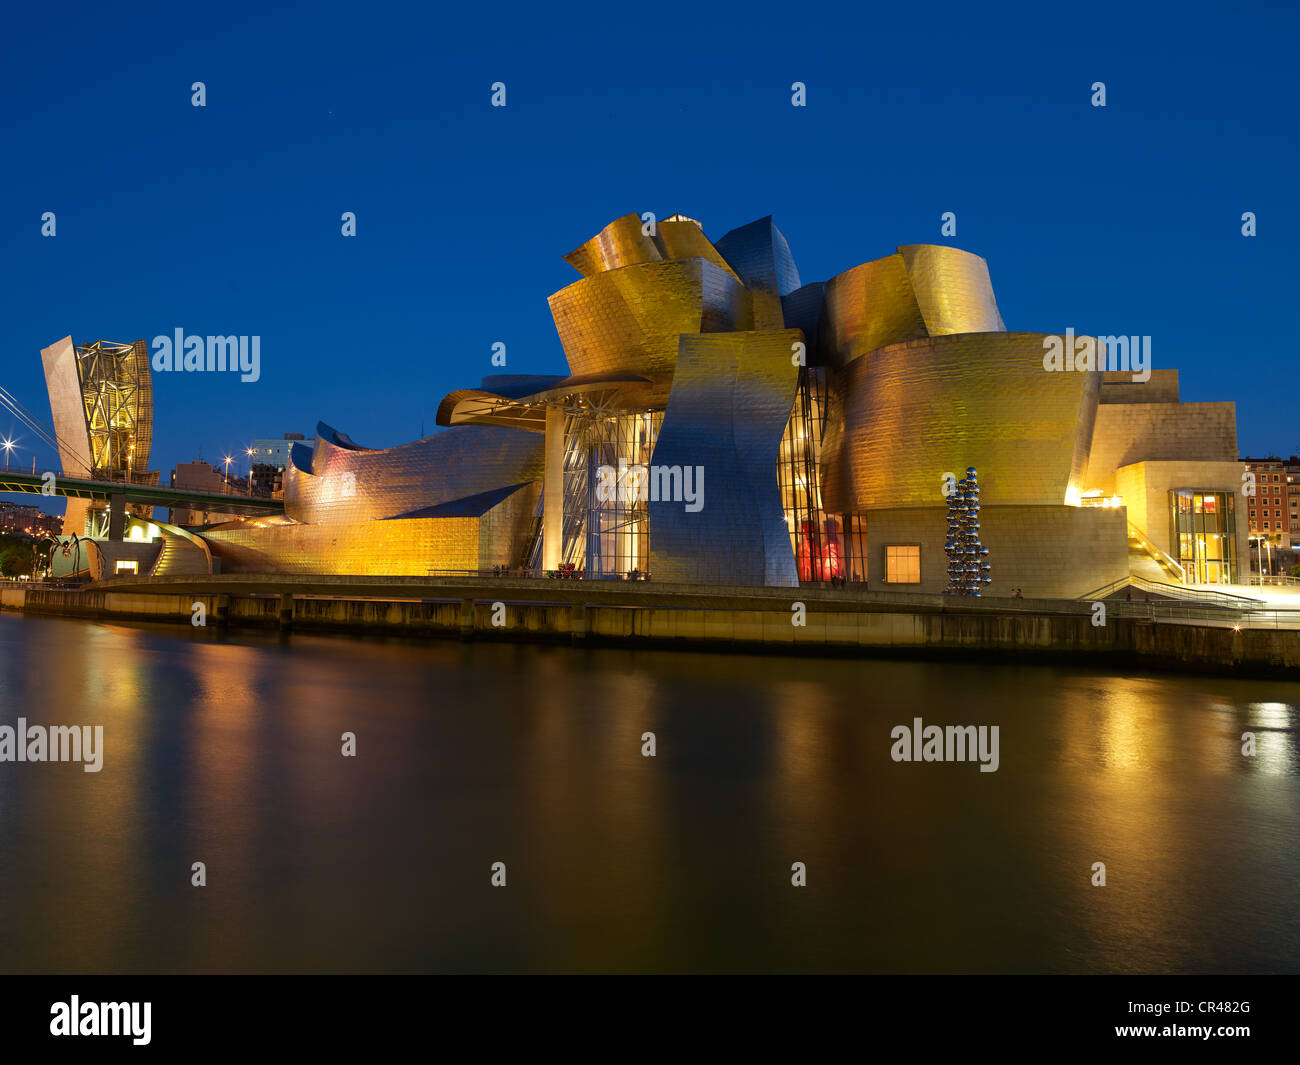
(814, 620)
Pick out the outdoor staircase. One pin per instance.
(179, 556)
(1147, 562)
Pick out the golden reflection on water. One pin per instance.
(229, 752)
(93, 676)
(1129, 763)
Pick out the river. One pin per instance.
(228, 751)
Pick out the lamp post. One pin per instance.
(228, 460)
(249, 453)
(8, 445)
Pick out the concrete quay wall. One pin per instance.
(834, 626)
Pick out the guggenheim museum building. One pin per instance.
(722, 421)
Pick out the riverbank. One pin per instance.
(807, 621)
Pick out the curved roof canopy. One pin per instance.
(585, 394)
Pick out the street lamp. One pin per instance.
(229, 460)
(249, 453)
(8, 445)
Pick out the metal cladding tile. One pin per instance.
(903, 416)
(868, 307)
(353, 485)
(628, 320)
(686, 240)
(767, 310)
(761, 257)
(300, 456)
(953, 289)
(802, 310)
(421, 547)
(730, 402)
(621, 243)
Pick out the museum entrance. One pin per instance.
(1203, 535)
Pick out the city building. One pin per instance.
(200, 476)
(1274, 513)
(268, 451)
(724, 422)
(268, 480)
(1273, 508)
(28, 520)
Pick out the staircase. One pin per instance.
(179, 556)
(1148, 562)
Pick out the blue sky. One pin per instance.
(226, 219)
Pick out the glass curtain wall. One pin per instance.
(606, 494)
(818, 539)
(1203, 534)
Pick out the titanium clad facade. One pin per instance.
(869, 307)
(621, 243)
(760, 468)
(953, 289)
(731, 400)
(627, 320)
(761, 257)
(905, 415)
(686, 240)
(360, 484)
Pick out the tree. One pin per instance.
(15, 556)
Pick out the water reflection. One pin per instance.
(229, 752)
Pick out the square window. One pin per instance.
(902, 563)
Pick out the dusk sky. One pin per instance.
(225, 219)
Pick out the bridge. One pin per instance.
(118, 493)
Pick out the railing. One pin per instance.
(1179, 592)
(1189, 613)
(1175, 568)
(1275, 579)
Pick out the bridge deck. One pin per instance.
(149, 495)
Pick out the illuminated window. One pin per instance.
(124, 566)
(903, 564)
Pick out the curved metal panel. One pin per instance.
(337, 438)
(348, 486)
(515, 408)
(761, 257)
(869, 307)
(628, 320)
(621, 243)
(730, 402)
(686, 240)
(953, 289)
(300, 457)
(907, 414)
(802, 310)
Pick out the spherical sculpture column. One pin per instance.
(967, 569)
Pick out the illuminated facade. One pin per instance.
(725, 422)
(101, 398)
